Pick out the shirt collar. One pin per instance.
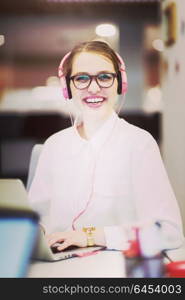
(103, 133)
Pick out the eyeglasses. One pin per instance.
(83, 81)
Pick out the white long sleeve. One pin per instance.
(117, 178)
(153, 197)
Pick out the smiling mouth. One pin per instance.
(94, 101)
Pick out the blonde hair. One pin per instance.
(96, 46)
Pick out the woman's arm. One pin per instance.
(154, 198)
(39, 192)
(75, 238)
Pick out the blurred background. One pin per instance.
(36, 34)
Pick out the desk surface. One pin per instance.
(101, 265)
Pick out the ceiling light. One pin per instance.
(105, 30)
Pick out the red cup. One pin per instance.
(175, 269)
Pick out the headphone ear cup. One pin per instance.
(119, 89)
(68, 88)
(122, 77)
(64, 87)
(124, 82)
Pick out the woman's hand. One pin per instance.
(67, 238)
(75, 238)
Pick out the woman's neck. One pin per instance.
(90, 125)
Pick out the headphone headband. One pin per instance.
(122, 78)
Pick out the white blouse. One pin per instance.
(114, 180)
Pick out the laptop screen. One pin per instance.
(18, 232)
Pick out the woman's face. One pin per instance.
(94, 99)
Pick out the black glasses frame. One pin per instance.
(91, 78)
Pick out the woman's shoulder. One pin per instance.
(135, 134)
(59, 137)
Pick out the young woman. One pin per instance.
(98, 178)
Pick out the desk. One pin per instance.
(101, 265)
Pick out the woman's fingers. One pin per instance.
(55, 238)
(68, 238)
(64, 245)
(60, 243)
(54, 241)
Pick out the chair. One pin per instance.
(36, 151)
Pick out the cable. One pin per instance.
(120, 106)
(93, 177)
(72, 122)
(70, 114)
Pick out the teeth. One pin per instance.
(94, 100)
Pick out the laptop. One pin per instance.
(18, 232)
(14, 195)
(45, 253)
(18, 229)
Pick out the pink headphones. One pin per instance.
(121, 76)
